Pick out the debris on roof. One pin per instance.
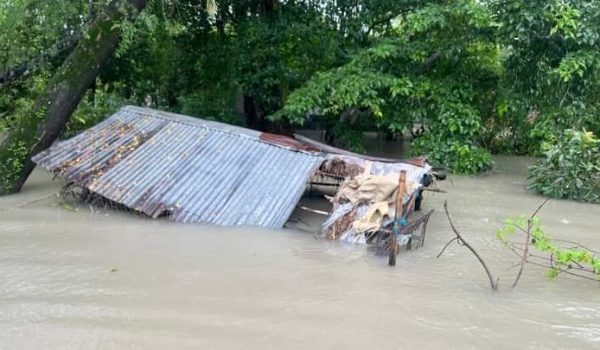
(366, 200)
(374, 203)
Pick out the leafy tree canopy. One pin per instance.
(479, 77)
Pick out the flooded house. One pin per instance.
(197, 171)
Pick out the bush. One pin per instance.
(571, 169)
(458, 157)
(451, 140)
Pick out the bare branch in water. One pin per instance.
(446, 246)
(461, 240)
(539, 208)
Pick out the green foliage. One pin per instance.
(351, 86)
(47, 29)
(30, 30)
(570, 169)
(275, 55)
(146, 67)
(481, 76)
(462, 158)
(452, 133)
(560, 259)
(98, 103)
(551, 69)
(21, 126)
(434, 68)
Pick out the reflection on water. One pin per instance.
(77, 279)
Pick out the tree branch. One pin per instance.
(446, 246)
(527, 242)
(386, 20)
(461, 240)
(430, 61)
(524, 256)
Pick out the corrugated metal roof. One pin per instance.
(194, 170)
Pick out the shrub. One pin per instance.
(571, 168)
(458, 157)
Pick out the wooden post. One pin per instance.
(400, 194)
(394, 248)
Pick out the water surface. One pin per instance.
(107, 280)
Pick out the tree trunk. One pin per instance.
(64, 91)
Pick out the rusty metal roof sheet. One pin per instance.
(193, 170)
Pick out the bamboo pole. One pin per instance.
(394, 248)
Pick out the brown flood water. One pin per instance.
(110, 280)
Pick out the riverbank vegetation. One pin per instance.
(477, 77)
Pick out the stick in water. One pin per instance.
(459, 238)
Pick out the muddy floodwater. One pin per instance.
(76, 278)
